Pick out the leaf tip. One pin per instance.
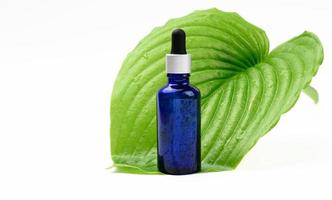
(312, 93)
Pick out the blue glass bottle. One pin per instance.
(178, 115)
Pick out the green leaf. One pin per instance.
(312, 93)
(244, 89)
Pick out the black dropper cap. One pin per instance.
(178, 42)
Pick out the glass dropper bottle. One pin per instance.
(178, 114)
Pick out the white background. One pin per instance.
(58, 62)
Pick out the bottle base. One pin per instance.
(178, 172)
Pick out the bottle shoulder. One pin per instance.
(182, 90)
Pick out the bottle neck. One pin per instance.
(180, 79)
